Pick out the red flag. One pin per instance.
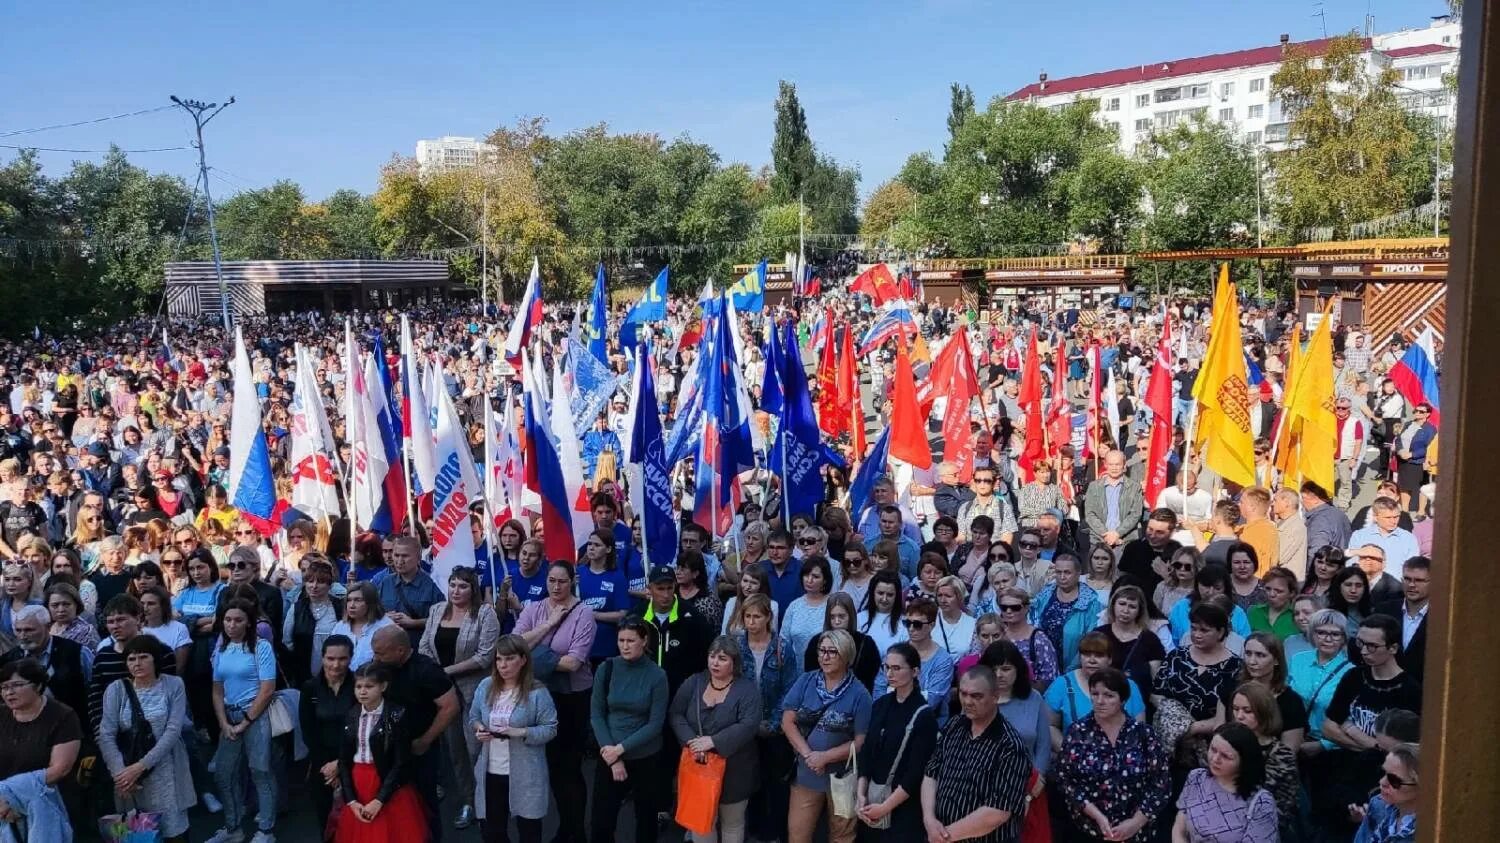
(1059, 410)
(851, 407)
(1159, 400)
(1030, 398)
(908, 428)
(961, 388)
(906, 286)
(939, 375)
(1094, 409)
(877, 283)
(830, 418)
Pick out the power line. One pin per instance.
(86, 122)
(94, 151)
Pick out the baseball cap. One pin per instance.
(99, 449)
(662, 573)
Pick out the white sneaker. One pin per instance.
(211, 803)
(263, 837)
(227, 835)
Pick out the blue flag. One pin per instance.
(872, 469)
(658, 528)
(598, 319)
(651, 308)
(749, 292)
(770, 389)
(593, 384)
(797, 453)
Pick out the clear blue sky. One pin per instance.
(329, 91)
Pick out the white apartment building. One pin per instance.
(451, 152)
(1234, 88)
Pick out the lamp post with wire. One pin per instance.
(1433, 100)
(197, 109)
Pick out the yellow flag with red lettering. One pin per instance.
(1286, 442)
(1310, 408)
(1223, 393)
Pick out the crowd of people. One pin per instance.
(977, 654)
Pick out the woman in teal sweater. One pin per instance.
(628, 711)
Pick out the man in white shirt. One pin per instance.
(1193, 507)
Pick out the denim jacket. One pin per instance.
(781, 669)
(1083, 619)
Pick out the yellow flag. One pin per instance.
(1286, 441)
(1311, 407)
(1224, 394)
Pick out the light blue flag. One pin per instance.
(593, 384)
(749, 293)
(651, 308)
(598, 319)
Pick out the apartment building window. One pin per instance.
(1425, 71)
(1196, 91)
(1167, 94)
(1112, 104)
(1253, 137)
(1226, 89)
(1257, 85)
(1142, 100)
(1168, 119)
(1257, 112)
(1143, 124)
(1226, 115)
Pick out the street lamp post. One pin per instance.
(1432, 99)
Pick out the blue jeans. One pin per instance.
(253, 748)
(1181, 407)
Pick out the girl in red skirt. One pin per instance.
(381, 804)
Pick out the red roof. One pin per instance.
(1418, 50)
(1170, 69)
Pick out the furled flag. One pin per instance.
(651, 308)
(795, 454)
(388, 420)
(851, 405)
(871, 468)
(454, 489)
(646, 454)
(544, 473)
(1059, 409)
(568, 437)
(822, 331)
(727, 445)
(960, 383)
(1030, 399)
(599, 318)
(1284, 445)
(1224, 419)
(168, 357)
(877, 283)
(833, 419)
(1093, 411)
(1159, 391)
(1416, 373)
(315, 490)
(770, 390)
(368, 467)
(503, 471)
(1112, 408)
(416, 415)
(528, 315)
(1310, 407)
(749, 293)
(251, 489)
(909, 437)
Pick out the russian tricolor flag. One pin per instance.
(544, 474)
(251, 488)
(1416, 373)
(528, 315)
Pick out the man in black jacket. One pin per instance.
(682, 636)
(1411, 611)
(68, 664)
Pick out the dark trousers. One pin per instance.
(766, 817)
(565, 764)
(494, 827)
(644, 782)
(428, 769)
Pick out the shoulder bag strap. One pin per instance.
(901, 750)
(1072, 701)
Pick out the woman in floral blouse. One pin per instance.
(1112, 769)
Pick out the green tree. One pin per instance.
(272, 223)
(960, 109)
(350, 225)
(1200, 188)
(1350, 141)
(887, 206)
(792, 155)
(723, 210)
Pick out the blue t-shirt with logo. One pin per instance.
(606, 592)
(528, 589)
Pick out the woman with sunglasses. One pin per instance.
(88, 535)
(1012, 605)
(177, 506)
(1178, 584)
(173, 564)
(856, 569)
(1033, 573)
(883, 611)
(1391, 815)
(997, 578)
(1411, 453)
(1326, 562)
(937, 665)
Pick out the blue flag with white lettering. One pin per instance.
(658, 528)
(598, 319)
(797, 453)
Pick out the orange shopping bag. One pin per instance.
(698, 788)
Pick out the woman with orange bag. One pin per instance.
(716, 715)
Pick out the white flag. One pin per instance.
(422, 460)
(314, 480)
(455, 487)
(366, 450)
(561, 424)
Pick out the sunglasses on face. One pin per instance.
(1011, 607)
(239, 566)
(807, 542)
(912, 623)
(1182, 566)
(1397, 782)
(1030, 545)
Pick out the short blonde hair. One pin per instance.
(841, 641)
(956, 584)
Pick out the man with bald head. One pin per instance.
(1113, 505)
(406, 591)
(420, 686)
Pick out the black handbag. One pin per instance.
(136, 740)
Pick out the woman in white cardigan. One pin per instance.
(512, 718)
(460, 636)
